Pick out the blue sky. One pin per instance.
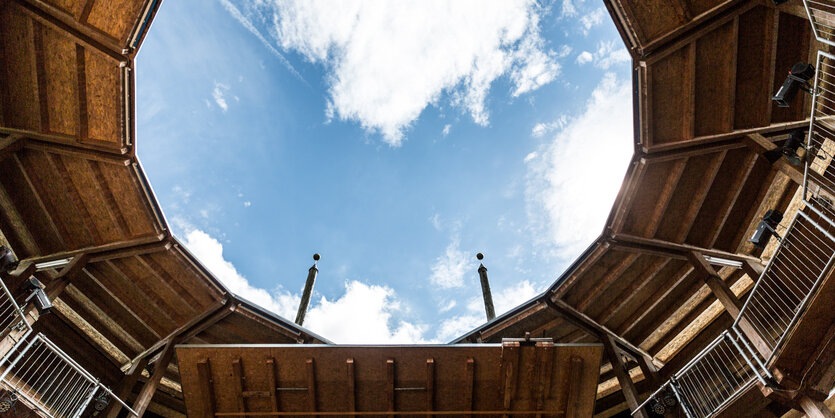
(397, 139)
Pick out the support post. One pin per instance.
(729, 301)
(125, 388)
(814, 409)
(485, 290)
(308, 290)
(622, 374)
(147, 393)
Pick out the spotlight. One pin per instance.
(38, 296)
(669, 399)
(793, 149)
(101, 402)
(7, 402)
(766, 229)
(657, 407)
(798, 78)
(7, 260)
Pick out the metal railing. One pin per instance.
(819, 174)
(11, 320)
(822, 15)
(714, 378)
(47, 379)
(789, 280)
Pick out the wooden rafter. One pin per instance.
(673, 250)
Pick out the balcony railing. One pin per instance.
(822, 15)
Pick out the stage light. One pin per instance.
(766, 229)
(793, 149)
(7, 402)
(798, 78)
(669, 399)
(37, 296)
(7, 260)
(658, 407)
(101, 402)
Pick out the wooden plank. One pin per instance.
(390, 386)
(147, 393)
(634, 287)
(40, 71)
(572, 407)
(238, 384)
(625, 381)
(352, 385)
(124, 390)
(311, 385)
(469, 372)
(430, 385)
(509, 373)
(10, 145)
(204, 373)
(814, 409)
(718, 286)
(599, 251)
(81, 90)
(70, 272)
(602, 283)
(674, 250)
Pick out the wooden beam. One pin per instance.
(814, 409)
(469, 371)
(591, 326)
(147, 393)
(430, 386)
(761, 145)
(10, 145)
(606, 280)
(98, 249)
(575, 371)
(627, 386)
(204, 375)
(671, 249)
(390, 386)
(352, 385)
(311, 385)
(124, 389)
(238, 384)
(67, 274)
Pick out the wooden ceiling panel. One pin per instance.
(654, 19)
(715, 71)
(638, 271)
(743, 212)
(639, 299)
(755, 65)
(594, 274)
(697, 7)
(162, 295)
(173, 269)
(129, 198)
(18, 84)
(731, 176)
(60, 80)
(687, 198)
(670, 81)
(793, 41)
(651, 195)
(71, 7)
(103, 105)
(115, 17)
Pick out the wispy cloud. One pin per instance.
(243, 20)
(608, 54)
(592, 19)
(574, 179)
(384, 69)
(503, 300)
(363, 314)
(451, 267)
(218, 94)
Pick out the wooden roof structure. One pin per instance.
(703, 75)
(312, 380)
(71, 188)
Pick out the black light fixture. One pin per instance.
(793, 149)
(8, 262)
(669, 399)
(798, 79)
(657, 406)
(100, 403)
(766, 229)
(37, 295)
(7, 402)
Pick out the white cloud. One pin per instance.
(531, 155)
(363, 314)
(218, 94)
(247, 204)
(243, 20)
(585, 57)
(451, 267)
(447, 127)
(592, 19)
(210, 252)
(608, 54)
(540, 129)
(388, 61)
(435, 220)
(568, 9)
(575, 178)
(503, 300)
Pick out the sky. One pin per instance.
(397, 139)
